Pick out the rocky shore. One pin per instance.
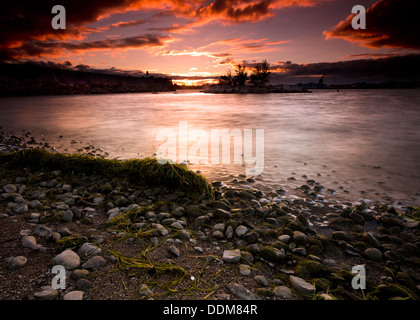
(121, 238)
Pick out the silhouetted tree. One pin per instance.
(227, 79)
(241, 75)
(260, 75)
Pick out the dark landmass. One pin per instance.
(253, 89)
(35, 80)
(385, 85)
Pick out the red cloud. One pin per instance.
(24, 23)
(390, 23)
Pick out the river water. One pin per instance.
(363, 144)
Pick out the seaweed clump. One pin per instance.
(147, 170)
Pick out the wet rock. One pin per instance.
(68, 259)
(373, 254)
(241, 292)
(231, 256)
(283, 292)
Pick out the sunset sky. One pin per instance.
(201, 39)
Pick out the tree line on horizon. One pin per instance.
(260, 75)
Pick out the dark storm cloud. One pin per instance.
(408, 65)
(37, 48)
(389, 23)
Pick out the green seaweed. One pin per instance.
(147, 170)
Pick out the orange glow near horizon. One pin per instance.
(194, 82)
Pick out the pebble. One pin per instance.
(10, 188)
(199, 249)
(183, 235)
(83, 284)
(67, 216)
(283, 292)
(299, 251)
(68, 259)
(144, 290)
(300, 238)
(373, 254)
(16, 262)
(21, 208)
(244, 269)
(241, 292)
(174, 251)
(43, 231)
(261, 280)
(231, 256)
(229, 232)
(74, 295)
(241, 230)
(285, 238)
(301, 285)
(79, 274)
(176, 225)
(46, 293)
(88, 250)
(94, 263)
(29, 242)
(251, 237)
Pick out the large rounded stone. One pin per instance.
(68, 259)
